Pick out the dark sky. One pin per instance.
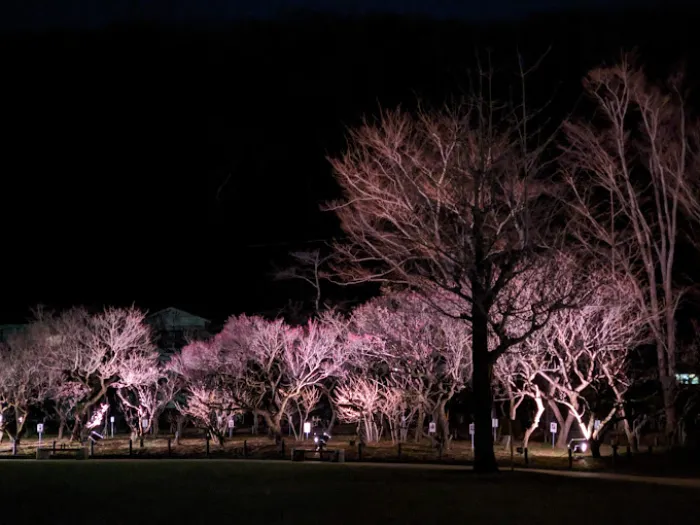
(82, 13)
(116, 141)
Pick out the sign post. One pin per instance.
(307, 429)
(231, 424)
(111, 425)
(553, 430)
(471, 433)
(494, 426)
(40, 431)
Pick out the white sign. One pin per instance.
(307, 428)
(596, 424)
(39, 428)
(231, 423)
(432, 427)
(553, 428)
(111, 419)
(144, 422)
(471, 429)
(494, 422)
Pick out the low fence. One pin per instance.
(538, 455)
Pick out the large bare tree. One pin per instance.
(452, 200)
(633, 171)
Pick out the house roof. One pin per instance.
(172, 309)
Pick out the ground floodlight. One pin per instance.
(578, 446)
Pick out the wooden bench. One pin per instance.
(332, 455)
(62, 453)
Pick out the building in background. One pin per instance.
(173, 328)
(6, 330)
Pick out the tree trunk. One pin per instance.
(667, 368)
(535, 421)
(443, 424)
(274, 424)
(76, 434)
(180, 425)
(61, 428)
(669, 398)
(155, 426)
(565, 430)
(331, 424)
(484, 457)
(631, 441)
(420, 421)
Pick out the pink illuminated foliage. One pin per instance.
(65, 396)
(265, 367)
(358, 400)
(23, 381)
(516, 376)
(90, 351)
(144, 389)
(419, 358)
(588, 356)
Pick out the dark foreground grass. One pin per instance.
(210, 491)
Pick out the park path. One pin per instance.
(630, 478)
(658, 480)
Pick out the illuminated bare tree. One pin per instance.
(307, 402)
(211, 376)
(425, 355)
(633, 175)
(144, 389)
(272, 365)
(65, 396)
(517, 376)
(357, 400)
(24, 382)
(90, 350)
(589, 355)
(452, 200)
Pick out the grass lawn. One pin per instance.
(220, 491)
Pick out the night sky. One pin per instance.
(88, 13)
(118, 138)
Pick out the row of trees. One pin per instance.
(389, 366)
